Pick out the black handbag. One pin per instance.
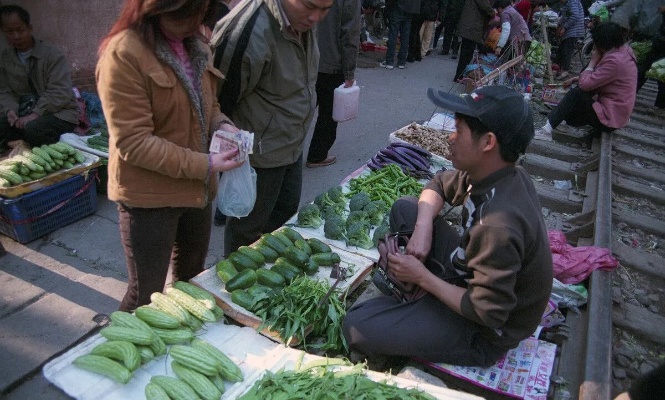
(27, 103)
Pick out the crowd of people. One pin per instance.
(172, 72)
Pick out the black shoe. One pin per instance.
(444, 52)
(220, 219)
(453, 57)
(410, 59)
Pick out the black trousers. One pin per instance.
(156, 238)
(44, 130)
(465, 56)
(325, 130)
(450, 40)
(565, 53)
(414, 39)
(576, 108)
(277, 199)
(425, 328)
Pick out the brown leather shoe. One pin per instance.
(328, 161)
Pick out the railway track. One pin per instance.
(616, 200)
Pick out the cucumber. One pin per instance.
(269, 240)
(268, 252)
(241, 261)
(243, 299)
(326, 259)
(255, 255)
(297, 257)
(287, 271)
(225, 270)
(318, 246)
(312, 267)
(242, 280)
(303, 245)
(283, 238)
(269, 278)
(292, 234)
(257, 289)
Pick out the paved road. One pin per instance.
(57, 289)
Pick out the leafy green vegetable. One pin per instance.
(357, 217)
(376, 211)
(309, 216)
(379, 233)
(358, 201)
(335, 227)
(358, 235)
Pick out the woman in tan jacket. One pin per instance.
(157, 89)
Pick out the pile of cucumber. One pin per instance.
(99, 142)
(245, 272)
(171, 319)
(38, 162)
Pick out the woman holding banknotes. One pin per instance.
(158, 91)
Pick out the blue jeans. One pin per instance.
(398, 22)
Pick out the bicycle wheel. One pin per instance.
(585, 53)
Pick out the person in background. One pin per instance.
(514, 30)
(338, 36)
(157, 88)
(504, 250)
(269, 55)
(605, 93)
(450, 39)
(649, 386)
(470, 28)
(656, 53)
(524, 8)
(421, 29)
(37, 102)
(570, 29)
(400, 13)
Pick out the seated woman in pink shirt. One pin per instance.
(605, 93)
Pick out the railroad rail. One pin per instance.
(616, 202)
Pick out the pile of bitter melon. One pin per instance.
(38, 162)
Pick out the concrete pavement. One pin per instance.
(57, 289)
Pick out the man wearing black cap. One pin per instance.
(503, 252)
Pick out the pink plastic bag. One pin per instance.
(575, 264)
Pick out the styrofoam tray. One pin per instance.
(243, 345)
(80, 142)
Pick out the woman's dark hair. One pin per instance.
(608, 35)
(142, 16)
(14, 9)
(502, 3)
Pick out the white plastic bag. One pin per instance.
(236, 193)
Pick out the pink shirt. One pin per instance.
(614, 82)
(179, 50)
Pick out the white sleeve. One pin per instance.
(505, 33)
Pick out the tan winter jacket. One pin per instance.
(159, 128)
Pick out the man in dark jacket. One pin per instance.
(400, 13)
(470, 28)
(429, 11)
(338, 36)
(502, 264)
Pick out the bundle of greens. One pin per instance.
(320, 381)
(304, 304)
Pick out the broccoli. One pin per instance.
(358, 235)
(357, 217)
(327, 205)
(376, 211)
(379, 233)
(335, 194)
(358, 201)
(334, 227)
(309, 216)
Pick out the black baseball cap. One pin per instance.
(500, 108)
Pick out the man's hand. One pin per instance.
(560, 31)
(497, 51)
(23, 121)
(12, 117)
(349, 82)
(407, 268)
(420, 243)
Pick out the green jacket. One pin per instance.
(50, 76)
(270, 78)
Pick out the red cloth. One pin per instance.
(574, 264)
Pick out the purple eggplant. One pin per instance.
(401, 158)
(412, 147)
(417, 159)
